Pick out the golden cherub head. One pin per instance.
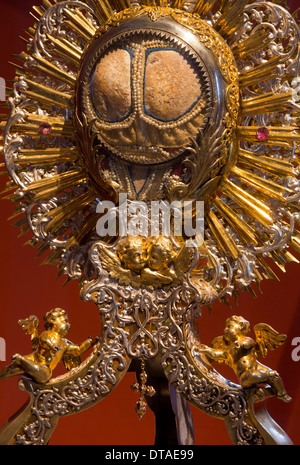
(131, 251)
(57, 320)
(160, 252)
(236, 326)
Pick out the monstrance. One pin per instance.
(152, 149)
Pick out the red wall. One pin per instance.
(27, 288)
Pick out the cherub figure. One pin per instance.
(240, 352)
(127, 261)
(160, 254)
(132, 253)
(50, 348)
(151, 262)
(166, 265)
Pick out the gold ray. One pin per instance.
(44, 67)
(53, 185)
(102, 9)
(254, 207)
(48, 96)
(289, 257)
(121, 5)
(30, 31)
(251, 45)
(295, 241)
(223, 239)
(39, 9)
(34, 17)
(59, 126)
(279, 261)
(265, 186)
(274, 166)
(48, 68)
(231, 19)
(62, 47)
(149, 2)
(263, 72)
(202, 7)
(82, 26)
(42, 248)
(53, 257)
(258, 279)
(66, 211)
(177, 4)
(284, 136)
(237, 223)
(80, 234)
(47, 4)
(266, 103)
(48, 156)
(266, 270)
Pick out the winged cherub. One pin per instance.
(240, 352)
(151, 262)
(50, 348)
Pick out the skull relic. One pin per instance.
(148, 90)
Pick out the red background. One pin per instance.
(27, 288)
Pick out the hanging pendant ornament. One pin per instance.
(129, 120)
(144, 390)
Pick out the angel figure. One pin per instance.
(160, 255)
(240, 352)
(164, 264)
(50, 348)
(126, 263)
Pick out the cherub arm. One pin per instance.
(215, 354)
(77, 350)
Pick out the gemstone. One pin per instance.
(45, 128)
(262, 133)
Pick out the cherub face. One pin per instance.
(159, 255)
(133, 254)
(61, 324)
(232, 330)
(135, 259)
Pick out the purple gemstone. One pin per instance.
(45, 128)
(262, 133)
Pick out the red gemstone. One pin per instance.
(45, 128)
(262, 133)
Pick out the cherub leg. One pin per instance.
(277, 384)
(38, 372)
(265, 375)
(11, 370)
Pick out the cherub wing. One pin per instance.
(111, 262)
(267, 338)
(184, 260)
(71, 361)
(31, 326)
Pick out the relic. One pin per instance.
(182, 107)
